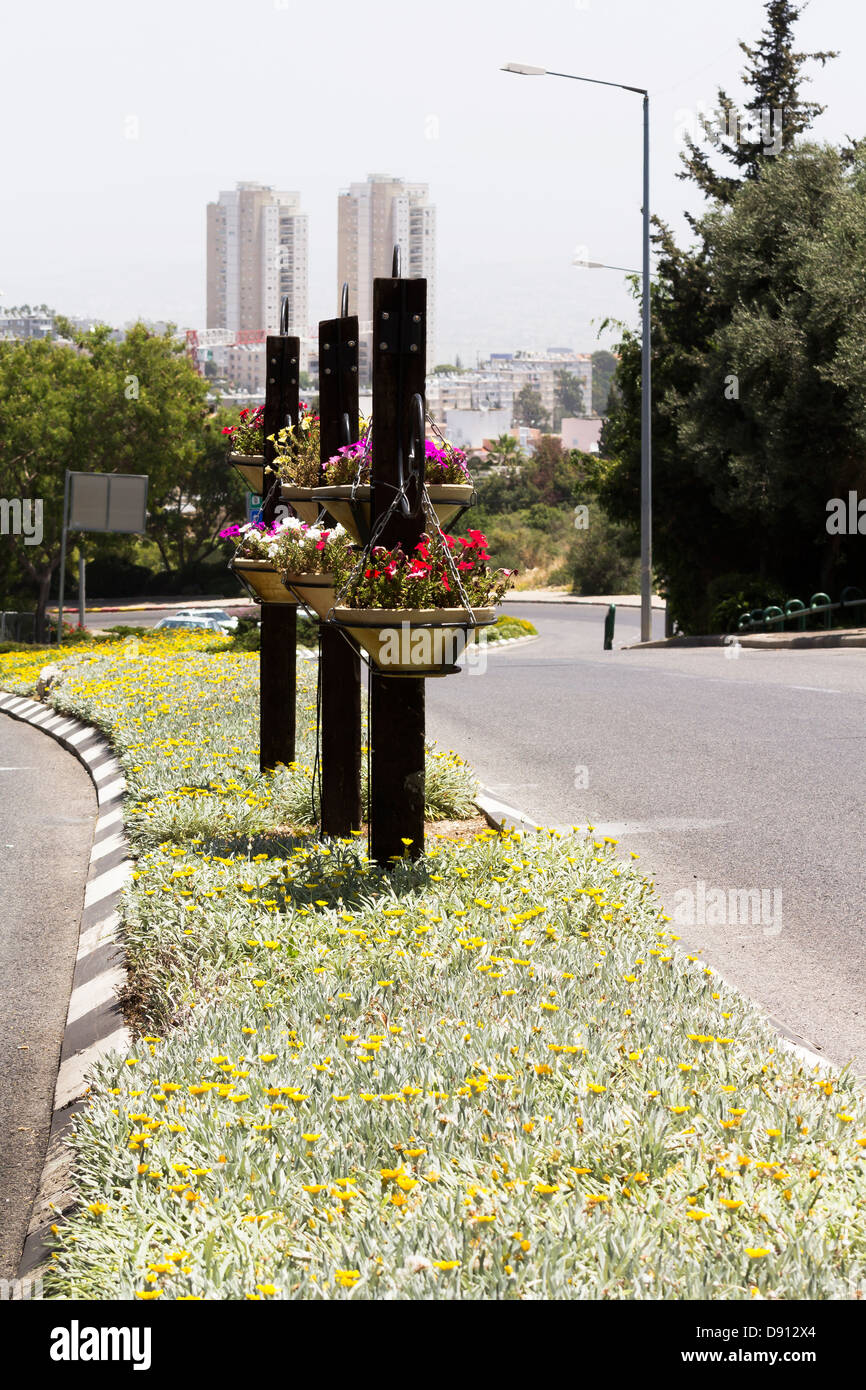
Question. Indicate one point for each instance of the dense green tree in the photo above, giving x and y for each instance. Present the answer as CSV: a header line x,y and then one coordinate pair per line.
x,y
136,406
603,372
772,118
697,537
529,409
567,397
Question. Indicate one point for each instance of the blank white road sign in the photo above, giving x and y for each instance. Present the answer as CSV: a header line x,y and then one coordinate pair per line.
x,y
108,501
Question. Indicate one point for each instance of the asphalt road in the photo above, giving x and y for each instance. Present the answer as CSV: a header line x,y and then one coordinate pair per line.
x,y
744,773
47,813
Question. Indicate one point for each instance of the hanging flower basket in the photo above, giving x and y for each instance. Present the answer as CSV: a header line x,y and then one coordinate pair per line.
x,y
300,499
316,591
260,577
251,468
419,642
350,504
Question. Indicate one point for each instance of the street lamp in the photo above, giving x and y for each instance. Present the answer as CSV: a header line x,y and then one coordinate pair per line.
x,y
526,70
601,265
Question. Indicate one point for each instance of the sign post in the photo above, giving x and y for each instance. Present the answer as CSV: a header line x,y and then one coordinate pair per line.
x,y
99,502
340,661
396,703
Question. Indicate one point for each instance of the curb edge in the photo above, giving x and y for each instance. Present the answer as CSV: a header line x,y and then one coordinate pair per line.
x,y
93,1003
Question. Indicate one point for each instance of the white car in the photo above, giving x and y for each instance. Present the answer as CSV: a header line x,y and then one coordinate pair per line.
x,y
224,620
186,620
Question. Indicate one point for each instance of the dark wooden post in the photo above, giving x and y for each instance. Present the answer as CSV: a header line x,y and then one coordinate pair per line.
x,y
341,664
277,661
396,703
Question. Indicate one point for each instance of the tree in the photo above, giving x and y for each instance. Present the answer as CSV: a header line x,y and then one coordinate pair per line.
x,y
505,452
694,537
776,112
529,409
784,383
137,406
603,372
567,397
46,392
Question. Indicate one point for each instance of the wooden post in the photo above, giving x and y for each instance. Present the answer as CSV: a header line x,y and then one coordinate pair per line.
x,y
277,661
341,663
396,703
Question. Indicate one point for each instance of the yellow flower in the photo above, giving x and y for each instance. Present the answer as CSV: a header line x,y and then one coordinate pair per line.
x,y
730,1202
148,1293
268,1289
348,1278
98,1208
757,1252
446,1264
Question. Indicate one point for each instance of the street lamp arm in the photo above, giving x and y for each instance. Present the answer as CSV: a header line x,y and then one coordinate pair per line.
x,y
526,70
596,81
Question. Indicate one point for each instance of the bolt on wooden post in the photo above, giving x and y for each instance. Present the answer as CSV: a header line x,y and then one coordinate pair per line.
x,y
277,662
396,703
340,661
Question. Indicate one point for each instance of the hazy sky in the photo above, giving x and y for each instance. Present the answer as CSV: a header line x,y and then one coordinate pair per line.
x,y
121,120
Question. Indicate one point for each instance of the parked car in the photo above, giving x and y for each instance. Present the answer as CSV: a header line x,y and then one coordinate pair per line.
x,y
226,621
179,621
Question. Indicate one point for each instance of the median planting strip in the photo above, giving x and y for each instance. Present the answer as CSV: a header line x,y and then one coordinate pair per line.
x,y
489,1074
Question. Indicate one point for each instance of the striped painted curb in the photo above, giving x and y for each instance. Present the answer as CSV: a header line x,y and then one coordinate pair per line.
x,y
499,814
94,1021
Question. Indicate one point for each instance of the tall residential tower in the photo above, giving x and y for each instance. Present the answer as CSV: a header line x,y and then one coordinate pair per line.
x,y
372,218
257,253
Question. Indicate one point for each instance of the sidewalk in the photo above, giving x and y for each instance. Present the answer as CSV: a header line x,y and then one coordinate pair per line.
x,y
563,596
144,605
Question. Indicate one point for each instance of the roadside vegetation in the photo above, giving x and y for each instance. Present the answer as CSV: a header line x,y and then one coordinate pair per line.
x,y
489,1074
542,516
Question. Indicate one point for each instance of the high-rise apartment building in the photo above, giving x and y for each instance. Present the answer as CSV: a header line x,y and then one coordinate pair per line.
x,y
257,254
372,218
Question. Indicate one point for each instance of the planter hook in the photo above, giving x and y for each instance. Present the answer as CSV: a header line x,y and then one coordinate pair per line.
x,y
412,482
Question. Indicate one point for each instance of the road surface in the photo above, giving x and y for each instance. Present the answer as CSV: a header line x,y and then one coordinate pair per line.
x,y
741,774
47,814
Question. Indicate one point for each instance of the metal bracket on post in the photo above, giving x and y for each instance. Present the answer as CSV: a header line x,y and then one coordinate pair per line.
x,y
340,663
278,657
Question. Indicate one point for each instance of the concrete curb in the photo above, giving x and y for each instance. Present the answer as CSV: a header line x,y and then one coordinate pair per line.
x,y
762,641
94,1021
499,814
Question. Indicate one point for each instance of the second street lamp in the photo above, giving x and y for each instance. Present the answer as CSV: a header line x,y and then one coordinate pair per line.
x,y
526,70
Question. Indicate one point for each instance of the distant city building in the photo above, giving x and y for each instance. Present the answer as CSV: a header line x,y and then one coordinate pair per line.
x,y
372,218
24,324
582,433
468,429
257,255
496,384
